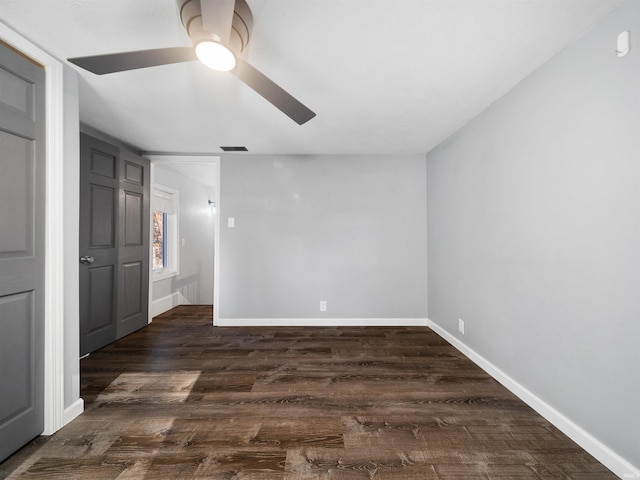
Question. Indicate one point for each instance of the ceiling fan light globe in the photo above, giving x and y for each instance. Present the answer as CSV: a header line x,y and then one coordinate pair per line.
x,y
215,56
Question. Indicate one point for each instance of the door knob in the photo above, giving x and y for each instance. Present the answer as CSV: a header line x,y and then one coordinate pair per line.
x,y
86,259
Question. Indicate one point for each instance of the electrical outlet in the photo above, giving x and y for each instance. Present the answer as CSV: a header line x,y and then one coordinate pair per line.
x,y
323,305
461,326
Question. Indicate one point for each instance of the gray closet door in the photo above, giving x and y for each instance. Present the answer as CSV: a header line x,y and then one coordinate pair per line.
x,y
22,234
99,195
133,252
114,243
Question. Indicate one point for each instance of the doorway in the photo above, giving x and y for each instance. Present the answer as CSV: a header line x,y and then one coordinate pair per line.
x,y
194,181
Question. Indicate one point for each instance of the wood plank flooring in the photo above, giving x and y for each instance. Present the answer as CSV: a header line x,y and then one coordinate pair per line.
x,y
181,399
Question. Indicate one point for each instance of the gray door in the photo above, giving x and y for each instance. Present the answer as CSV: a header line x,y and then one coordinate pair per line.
x,y
22,223
114,243
99,186
133,252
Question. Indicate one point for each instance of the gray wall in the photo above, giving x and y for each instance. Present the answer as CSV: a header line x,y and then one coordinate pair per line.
x,y
350,230
195,227
534,233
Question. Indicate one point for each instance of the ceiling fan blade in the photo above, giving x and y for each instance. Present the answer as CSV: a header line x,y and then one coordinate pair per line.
x,y
118,62
272,92
217,17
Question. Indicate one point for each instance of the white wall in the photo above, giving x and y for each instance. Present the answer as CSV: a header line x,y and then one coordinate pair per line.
x,y
196,228
71,222
534,234
349,230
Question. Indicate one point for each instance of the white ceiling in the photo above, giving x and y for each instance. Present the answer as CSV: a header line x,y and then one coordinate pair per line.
x,y
383,76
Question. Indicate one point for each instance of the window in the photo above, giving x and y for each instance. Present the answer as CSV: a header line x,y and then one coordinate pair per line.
x,y
159,244
165,232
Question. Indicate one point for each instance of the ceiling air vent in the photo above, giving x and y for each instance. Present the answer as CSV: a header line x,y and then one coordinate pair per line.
x,y
234,149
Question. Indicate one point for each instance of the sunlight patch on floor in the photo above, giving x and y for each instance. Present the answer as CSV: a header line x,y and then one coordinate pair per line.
x,y
146,387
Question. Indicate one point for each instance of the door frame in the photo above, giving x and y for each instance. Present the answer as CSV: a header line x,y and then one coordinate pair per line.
x,y
54,411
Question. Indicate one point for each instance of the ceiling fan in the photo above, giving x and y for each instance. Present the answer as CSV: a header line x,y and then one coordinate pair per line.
x,y
219,31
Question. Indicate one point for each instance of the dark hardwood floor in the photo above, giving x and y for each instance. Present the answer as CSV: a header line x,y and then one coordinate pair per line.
x,y
181,399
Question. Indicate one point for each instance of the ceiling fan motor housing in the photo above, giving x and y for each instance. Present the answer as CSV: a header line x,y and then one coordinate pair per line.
x,y
191,17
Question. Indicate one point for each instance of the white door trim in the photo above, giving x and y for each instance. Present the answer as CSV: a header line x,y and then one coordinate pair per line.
x,y
216,249
54,284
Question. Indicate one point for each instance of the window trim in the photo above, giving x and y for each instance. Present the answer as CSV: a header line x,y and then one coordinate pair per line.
x,y
167,200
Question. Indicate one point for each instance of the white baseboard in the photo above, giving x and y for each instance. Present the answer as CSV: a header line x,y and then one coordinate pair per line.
x,y
599,450
321,322
73,411
165,304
